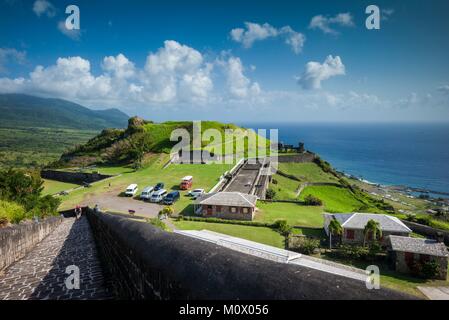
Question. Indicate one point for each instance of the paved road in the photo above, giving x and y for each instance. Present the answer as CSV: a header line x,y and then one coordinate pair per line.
x,y
41,273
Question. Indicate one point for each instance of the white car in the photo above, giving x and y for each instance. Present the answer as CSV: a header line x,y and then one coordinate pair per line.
x,y
131,190
146,193
195,193
157,196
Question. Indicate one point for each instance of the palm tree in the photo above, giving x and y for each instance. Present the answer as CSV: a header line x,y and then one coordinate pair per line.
x,y
335,228
372,228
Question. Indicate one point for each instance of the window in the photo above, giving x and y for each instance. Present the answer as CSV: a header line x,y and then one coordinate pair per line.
x,y
245,210
350,234
218,208
233,209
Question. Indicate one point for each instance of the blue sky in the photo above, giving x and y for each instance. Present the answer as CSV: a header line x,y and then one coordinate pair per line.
x,y
182,59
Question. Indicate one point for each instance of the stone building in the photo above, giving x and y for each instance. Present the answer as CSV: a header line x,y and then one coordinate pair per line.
x,y
226,205
407,254
353,225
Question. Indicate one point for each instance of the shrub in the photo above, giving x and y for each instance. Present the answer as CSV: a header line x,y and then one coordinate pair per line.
x,y
11,212
430,269
167,211
274,181
271,194
282,226
158,223
224,221
311,200
353,252
308,245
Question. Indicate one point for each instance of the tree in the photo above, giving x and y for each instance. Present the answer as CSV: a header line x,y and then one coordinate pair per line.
x,y
335,228
166,212
372,228
271,193
311,200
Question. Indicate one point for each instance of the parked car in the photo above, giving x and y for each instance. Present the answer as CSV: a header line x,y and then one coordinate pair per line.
x,y
171,198
146,193
186,183
159,186
131,190
195,193
158,195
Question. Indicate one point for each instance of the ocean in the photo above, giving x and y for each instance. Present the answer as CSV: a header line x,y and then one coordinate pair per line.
x,y
414,155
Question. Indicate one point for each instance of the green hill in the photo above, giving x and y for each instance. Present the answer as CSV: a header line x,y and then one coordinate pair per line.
x,y
24,111
141,137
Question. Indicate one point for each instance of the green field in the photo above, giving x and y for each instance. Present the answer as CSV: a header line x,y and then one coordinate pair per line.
x,y
258,234
295,214
307,172
31,147
335,199
53,187
286,189
205,176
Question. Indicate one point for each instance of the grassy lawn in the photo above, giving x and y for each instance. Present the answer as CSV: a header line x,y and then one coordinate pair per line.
x,y
257,234
52,187
308,172
295,214
394,280
285,188
204,176
335,199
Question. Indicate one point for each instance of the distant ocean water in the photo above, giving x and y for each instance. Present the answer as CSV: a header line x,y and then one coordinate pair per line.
x,y
415,155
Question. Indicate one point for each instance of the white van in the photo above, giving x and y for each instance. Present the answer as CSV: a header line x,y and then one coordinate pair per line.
x,y
146,193
131,190
157,196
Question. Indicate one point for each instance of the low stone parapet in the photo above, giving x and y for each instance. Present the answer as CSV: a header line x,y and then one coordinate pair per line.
x,y
17,240
143,262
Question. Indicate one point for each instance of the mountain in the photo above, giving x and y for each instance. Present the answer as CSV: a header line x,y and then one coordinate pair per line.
x,y
20,110
141,137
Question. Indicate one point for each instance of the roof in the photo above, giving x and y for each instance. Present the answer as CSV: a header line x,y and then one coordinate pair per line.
x,y
235,199
132,186
187,178
416,245
359,221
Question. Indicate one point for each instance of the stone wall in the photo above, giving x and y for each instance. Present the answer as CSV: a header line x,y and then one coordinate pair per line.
x,y
17,240
224,212
428,231
400,263
359,236
73,177
144,262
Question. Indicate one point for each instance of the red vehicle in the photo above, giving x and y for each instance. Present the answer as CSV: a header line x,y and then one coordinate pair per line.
x,y
186,183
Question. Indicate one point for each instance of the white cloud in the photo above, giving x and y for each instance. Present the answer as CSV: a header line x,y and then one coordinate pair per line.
x,y
175,73
257,32
73,34
10,55
238,85
316,72
119,66
44,7
444,89
324,23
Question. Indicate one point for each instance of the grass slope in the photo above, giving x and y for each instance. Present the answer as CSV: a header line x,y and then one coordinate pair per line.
x,y
335,199
307,172
257,234
295,214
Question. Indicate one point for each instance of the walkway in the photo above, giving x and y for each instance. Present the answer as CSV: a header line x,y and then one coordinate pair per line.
x,y
435,293
41,274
